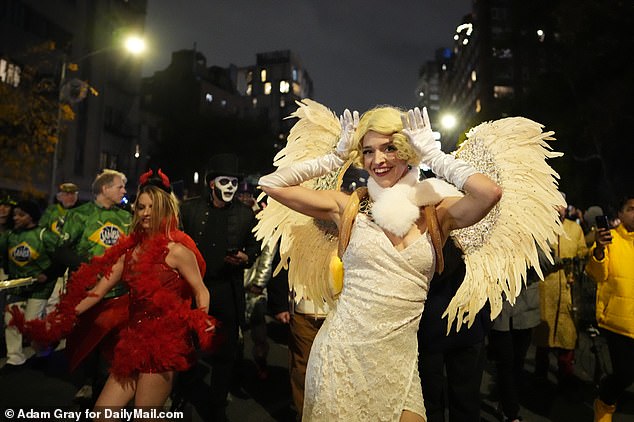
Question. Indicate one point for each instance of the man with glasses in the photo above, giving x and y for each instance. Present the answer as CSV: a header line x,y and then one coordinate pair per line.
x,y
222,227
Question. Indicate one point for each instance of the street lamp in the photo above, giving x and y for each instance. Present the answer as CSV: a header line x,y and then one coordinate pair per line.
x,y
448,121
133,44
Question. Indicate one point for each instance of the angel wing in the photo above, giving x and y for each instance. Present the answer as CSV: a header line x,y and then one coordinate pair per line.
x,y
306,244
499,248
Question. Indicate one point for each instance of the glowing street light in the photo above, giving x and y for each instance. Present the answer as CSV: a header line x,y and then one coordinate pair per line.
x,y
132,44
448,121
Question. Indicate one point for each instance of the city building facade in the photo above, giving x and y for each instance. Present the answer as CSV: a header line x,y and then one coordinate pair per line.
x,y
91,73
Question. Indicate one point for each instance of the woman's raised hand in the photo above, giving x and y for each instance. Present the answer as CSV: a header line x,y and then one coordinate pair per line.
x,y
417,128
349,122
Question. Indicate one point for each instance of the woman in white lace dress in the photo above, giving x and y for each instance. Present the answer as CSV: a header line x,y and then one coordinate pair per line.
x,y
363,363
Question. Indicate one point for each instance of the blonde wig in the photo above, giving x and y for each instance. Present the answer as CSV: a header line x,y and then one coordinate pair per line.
x,y
385,120
165,211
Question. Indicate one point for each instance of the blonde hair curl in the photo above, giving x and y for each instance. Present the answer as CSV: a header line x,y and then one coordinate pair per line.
x,y
385,120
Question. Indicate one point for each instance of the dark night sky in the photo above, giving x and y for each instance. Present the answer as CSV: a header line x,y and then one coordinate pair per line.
x,y
359,53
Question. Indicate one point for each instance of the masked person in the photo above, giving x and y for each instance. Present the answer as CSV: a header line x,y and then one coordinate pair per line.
x,y
221,226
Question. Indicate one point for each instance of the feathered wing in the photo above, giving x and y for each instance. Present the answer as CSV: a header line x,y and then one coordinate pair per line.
x,y
499,248
306,245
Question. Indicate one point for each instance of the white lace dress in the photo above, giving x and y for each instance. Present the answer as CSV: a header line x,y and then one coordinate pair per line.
x,y
363,362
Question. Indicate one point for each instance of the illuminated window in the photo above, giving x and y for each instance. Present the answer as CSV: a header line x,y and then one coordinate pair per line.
x,y
267,88
294,74
263,75
209,97
284,87
478,106
474,76
9,73
296,89
250,76
282,102
500,91
254,102
249,89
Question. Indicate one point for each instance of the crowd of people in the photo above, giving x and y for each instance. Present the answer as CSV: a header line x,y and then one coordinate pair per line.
x,y
149,293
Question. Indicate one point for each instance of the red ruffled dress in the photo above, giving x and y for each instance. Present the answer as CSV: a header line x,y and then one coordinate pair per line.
x,y
159,334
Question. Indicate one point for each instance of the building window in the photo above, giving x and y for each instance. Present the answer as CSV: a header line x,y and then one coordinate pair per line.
x,y
284,87
249,89
209,97
282,102
267,88
10,73
263,75
250,76
297,90
254,102
295,74
500,91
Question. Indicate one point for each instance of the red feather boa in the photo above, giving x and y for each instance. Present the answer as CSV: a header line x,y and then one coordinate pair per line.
x,y
59,323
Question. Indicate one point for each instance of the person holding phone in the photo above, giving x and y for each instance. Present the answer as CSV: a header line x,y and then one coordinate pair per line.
x,y
221,225
611,266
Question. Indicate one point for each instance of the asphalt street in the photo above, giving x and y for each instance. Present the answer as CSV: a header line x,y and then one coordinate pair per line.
x,y
45,384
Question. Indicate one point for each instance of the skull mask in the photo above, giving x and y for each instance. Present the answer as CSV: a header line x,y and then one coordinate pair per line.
x,y
225,187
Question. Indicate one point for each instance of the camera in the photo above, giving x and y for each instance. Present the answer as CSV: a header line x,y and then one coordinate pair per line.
x,y
602,222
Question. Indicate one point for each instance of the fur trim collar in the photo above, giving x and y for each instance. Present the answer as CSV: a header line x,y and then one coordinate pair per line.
x,y
397,208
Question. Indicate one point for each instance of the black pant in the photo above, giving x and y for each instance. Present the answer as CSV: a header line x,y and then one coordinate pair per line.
x,y
621,351
464,367
227,311
509,350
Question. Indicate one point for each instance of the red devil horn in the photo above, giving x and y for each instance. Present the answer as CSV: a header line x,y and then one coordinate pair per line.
x,y
145,176
164,178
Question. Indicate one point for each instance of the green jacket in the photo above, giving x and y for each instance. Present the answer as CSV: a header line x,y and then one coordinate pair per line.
x,y
90,229
53,218
24,250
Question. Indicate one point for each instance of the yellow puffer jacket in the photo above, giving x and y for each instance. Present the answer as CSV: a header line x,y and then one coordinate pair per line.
x,y
614,276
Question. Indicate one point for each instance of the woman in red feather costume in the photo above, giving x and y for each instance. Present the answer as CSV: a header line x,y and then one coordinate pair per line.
x,y
163,270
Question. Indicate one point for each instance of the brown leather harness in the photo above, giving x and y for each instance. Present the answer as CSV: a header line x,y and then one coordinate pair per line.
x,y
352,209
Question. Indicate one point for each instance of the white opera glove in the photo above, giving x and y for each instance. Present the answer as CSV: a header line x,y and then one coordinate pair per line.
x,y
300,172
417,128
349,122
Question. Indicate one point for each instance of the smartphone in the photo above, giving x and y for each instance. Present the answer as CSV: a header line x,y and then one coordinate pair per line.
x,y
602,222
232,251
